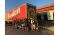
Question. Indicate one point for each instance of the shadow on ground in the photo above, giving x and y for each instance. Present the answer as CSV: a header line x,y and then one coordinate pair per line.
x,y
46,23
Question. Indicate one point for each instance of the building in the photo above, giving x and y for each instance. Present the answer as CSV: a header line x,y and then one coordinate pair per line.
x,y
45,12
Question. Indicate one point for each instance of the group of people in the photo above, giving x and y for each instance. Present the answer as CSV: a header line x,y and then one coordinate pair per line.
x,y
26,25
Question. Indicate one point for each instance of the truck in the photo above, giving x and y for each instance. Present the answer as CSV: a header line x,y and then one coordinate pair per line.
x,y
22,14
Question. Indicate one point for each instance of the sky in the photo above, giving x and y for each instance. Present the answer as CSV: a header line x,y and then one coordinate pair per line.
x,y
11,4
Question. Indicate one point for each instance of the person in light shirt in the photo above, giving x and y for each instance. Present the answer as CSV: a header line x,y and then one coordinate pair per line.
x,y
33,26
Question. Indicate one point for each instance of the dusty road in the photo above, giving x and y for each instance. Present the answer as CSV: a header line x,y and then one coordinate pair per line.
x,y
42,31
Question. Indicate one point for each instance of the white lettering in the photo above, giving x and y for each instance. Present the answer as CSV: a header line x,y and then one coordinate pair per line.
x,y
15,12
